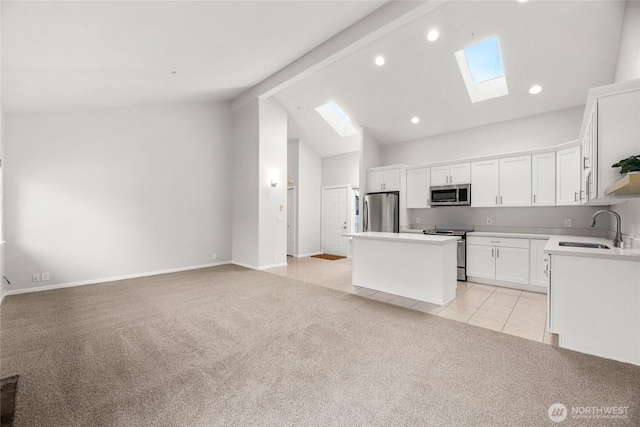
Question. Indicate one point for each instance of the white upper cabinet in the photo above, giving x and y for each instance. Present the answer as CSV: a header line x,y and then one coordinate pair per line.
x,y
458,173
568,175
375,181
383,180
440,175
485,183
418,183
515,181
543,179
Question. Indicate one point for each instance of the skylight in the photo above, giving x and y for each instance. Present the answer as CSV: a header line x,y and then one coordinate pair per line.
x,y
482,70
337,119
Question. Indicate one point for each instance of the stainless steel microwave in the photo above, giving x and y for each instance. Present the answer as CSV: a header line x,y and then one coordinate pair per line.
x,y
451,195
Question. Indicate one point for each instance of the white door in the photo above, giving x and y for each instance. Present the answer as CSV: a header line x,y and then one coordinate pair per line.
x,y
392,180
440,175
460,173
418,183
568,176
543,179
335,221
515,181
484,183
375,181
481,261
291,221
512,265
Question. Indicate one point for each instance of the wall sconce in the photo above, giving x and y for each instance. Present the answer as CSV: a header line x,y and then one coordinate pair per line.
x,y
274,182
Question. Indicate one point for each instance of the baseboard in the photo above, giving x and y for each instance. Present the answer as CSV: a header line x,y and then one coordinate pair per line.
x,y
255,267
110,279
519,286
1,298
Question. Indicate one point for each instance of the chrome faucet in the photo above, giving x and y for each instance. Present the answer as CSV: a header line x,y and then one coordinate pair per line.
x,y
618,239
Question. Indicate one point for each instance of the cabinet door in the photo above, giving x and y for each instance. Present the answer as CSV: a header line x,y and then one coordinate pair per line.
x,y
460,173
440,175
375,181
543,179
538,262
418,188
481,261
484,183
568,176
515,181
391,180
512,265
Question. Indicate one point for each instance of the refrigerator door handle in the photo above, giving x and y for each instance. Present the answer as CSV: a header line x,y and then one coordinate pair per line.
x,y
365,216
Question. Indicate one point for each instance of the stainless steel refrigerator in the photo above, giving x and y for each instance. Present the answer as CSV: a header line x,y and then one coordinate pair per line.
x,y
382,212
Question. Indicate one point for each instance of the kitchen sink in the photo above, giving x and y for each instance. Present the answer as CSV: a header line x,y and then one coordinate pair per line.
x,y
584,245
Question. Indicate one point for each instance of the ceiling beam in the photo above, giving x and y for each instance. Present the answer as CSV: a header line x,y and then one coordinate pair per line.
x,y
378,23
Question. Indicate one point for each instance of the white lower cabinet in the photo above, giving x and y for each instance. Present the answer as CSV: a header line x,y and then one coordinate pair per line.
x,y
500,261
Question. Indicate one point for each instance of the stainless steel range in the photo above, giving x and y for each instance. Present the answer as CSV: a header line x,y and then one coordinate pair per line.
x,y
462,245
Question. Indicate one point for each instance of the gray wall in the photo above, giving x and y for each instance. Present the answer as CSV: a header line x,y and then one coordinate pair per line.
x,y
102,194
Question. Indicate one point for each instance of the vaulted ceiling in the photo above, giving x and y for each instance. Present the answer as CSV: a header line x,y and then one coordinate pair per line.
x,y
567,47
59,55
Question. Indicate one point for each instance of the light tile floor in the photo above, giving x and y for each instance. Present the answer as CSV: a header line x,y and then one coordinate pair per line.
x,y
510,311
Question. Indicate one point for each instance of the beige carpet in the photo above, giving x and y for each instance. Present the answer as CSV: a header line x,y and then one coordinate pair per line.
x,y
230,346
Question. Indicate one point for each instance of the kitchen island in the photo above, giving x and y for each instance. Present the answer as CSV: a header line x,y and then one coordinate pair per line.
x,y
415,266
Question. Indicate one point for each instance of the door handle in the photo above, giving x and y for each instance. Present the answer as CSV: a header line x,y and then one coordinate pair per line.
x,y
496,200
492,252
534,198
365,221
497,253
500,199
575,197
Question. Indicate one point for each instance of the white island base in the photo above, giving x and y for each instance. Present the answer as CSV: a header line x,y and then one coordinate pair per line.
x,y
410,265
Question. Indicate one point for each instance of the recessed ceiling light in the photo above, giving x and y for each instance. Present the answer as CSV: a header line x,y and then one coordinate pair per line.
x,y
535,89
415,120
379,60
433,35
522,1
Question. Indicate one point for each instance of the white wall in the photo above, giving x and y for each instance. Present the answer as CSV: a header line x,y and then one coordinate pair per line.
x,y
245,200
341,169
309,201
272,219
628,68
370,156
542,130
100,194
304,168
628,61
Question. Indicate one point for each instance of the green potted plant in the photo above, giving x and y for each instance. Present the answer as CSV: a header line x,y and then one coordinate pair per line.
x,y
630,164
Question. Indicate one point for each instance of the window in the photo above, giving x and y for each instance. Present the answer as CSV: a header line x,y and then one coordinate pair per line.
x,y
482,70
337,119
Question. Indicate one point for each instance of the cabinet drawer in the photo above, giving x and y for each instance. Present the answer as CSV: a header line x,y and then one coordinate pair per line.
x,y
506,242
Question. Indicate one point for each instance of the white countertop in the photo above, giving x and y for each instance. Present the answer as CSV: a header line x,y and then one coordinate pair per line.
x,y
554,248
516,235
404,237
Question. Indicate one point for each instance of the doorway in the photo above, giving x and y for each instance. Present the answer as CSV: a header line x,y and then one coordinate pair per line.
x,y
291,221
335,216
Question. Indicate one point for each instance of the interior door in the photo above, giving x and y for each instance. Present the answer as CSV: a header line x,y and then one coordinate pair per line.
x,y
335,221
291,221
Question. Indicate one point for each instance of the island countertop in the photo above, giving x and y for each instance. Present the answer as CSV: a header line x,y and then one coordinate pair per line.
x,y
405,237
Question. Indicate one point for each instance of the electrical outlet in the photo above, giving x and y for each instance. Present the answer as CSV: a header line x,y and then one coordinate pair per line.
x,y
215,256
35,278
45,276
489,221
567,223
418,220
